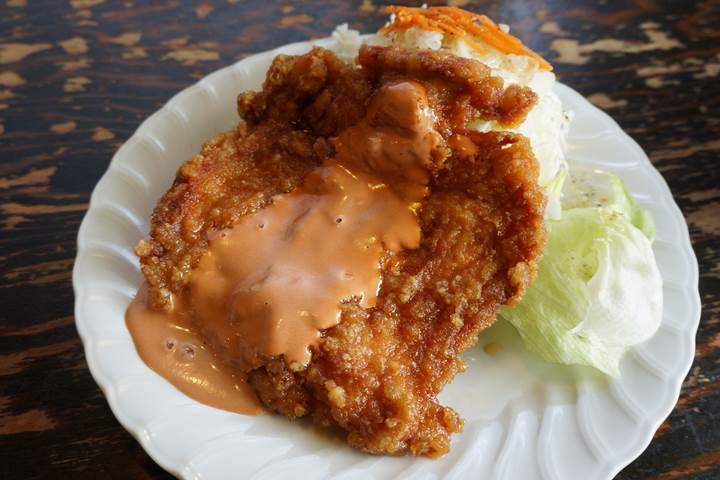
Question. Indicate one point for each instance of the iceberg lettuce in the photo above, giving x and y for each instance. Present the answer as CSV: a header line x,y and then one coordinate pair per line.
x,y
590,187
598,289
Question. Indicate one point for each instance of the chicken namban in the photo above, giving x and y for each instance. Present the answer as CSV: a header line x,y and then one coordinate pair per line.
x,y
446,228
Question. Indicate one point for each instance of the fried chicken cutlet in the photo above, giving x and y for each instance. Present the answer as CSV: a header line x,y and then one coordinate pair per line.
x,y
377,373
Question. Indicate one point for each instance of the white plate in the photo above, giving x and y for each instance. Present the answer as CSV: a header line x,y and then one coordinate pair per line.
x,y
524,419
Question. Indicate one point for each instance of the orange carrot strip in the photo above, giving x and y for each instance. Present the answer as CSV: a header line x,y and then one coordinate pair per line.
x,y
457,22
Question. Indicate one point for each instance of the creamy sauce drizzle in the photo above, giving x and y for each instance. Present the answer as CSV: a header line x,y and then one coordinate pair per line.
x,y
272,282
168,343
395,140
268,285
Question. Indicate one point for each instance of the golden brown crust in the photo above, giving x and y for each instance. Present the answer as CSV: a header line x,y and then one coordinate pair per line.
x,y
238,172
476,93
235,173
378,372
316,91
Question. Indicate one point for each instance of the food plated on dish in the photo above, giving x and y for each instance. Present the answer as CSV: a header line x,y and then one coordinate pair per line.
x,y
380,203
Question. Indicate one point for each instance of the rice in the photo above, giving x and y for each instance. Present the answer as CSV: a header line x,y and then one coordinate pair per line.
x,y
546,125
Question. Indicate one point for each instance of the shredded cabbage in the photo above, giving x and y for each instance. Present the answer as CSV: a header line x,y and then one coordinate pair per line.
x,y
598,289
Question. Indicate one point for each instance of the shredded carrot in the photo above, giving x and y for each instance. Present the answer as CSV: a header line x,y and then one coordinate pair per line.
x,y
462,24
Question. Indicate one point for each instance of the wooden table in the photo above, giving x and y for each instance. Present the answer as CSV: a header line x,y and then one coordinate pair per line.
x,y
77,77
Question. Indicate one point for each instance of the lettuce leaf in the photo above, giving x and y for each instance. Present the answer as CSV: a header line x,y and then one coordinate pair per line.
x,y
598,289
554,194
590,187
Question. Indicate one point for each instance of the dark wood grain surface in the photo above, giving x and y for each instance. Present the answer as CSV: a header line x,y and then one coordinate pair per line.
x,y
77,77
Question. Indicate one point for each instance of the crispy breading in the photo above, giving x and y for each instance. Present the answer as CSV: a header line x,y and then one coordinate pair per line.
x,y
378,372
237,172
471,89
